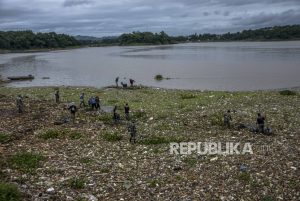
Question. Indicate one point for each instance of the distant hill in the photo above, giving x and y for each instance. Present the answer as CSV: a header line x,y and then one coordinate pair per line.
x,y
89,38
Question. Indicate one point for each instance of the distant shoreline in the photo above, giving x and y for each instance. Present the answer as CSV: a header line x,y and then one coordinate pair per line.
x,y
4,51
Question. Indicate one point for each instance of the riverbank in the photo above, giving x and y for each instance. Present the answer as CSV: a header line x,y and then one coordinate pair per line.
x,y
3,81
94,159
4,51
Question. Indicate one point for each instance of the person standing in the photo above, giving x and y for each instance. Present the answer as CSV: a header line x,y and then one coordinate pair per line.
x,y
81,98
260,121
116,116
97,100
227,119
132,131
131,81
117,81
126,108
92,102
56,96
20,104
73,109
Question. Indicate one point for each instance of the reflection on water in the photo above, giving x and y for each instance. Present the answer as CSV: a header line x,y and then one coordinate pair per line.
x,y
214,66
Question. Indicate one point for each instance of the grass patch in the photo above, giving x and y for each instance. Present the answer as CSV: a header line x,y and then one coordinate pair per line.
x,y
136,100
153,183
75,135
106,118
159,140
146,91
162,116
244,176
158,77
76,183
112,137
163,127
9,192
158,151
3,164
54,134
112,101
294,184
190,161
187,96
216,119
85,160
50,134
287,93
140,114
4,138
255,184
26,162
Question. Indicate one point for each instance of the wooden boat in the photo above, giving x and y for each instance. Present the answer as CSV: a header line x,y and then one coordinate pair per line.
x,y
28,77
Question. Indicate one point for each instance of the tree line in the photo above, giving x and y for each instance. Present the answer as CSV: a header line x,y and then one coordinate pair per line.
x,y
16,40
28,40
138,38
290,32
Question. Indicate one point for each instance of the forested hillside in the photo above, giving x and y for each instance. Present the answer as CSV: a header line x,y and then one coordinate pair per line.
x,y
15,40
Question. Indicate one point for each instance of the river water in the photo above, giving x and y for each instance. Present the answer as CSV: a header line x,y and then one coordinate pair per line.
x,y
212,66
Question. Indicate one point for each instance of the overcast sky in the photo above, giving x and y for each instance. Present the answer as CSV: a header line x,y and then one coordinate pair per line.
x,y
176,17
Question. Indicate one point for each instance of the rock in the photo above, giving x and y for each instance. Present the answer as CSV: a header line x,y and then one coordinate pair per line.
x,y
214,159
90,197
127,184
50,190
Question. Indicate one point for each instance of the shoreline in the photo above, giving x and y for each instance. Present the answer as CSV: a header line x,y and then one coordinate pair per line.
x,y
5,51
136,87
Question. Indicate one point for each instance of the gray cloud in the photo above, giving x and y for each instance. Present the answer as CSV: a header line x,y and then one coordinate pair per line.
x,y
100,18
226,13
70,3
269,19
9,13
206,13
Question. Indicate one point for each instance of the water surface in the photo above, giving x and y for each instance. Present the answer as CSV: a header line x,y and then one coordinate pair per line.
x,y
212,66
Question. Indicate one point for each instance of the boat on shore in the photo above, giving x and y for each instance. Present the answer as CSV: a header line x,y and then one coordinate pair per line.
x,y
28,77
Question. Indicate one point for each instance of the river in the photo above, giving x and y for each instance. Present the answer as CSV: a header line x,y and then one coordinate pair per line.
x,y
213,66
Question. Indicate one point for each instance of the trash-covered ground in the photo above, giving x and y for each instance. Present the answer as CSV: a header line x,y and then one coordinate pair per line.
x,y
49,158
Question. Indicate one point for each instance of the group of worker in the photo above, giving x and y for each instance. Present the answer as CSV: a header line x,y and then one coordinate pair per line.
x,y
260,122
94,103
124,84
